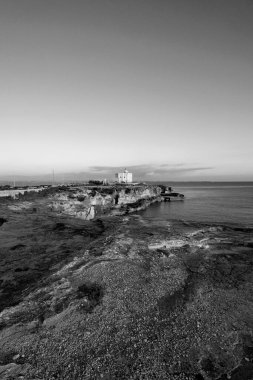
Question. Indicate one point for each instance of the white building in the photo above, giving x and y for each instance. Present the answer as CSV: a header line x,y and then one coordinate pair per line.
x,y
124,177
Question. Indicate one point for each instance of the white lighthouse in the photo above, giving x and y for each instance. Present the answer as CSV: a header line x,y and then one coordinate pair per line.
x,y
124,177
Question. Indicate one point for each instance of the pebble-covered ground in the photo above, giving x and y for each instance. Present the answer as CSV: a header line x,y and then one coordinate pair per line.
x,y
123,298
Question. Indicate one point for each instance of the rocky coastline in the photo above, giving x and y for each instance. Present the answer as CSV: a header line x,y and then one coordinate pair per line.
x,y
89,202
92,290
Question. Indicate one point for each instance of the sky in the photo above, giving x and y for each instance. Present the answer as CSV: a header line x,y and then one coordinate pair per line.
x,y
163,87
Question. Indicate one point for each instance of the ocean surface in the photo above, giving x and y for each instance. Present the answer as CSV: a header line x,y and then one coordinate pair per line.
x,y
215,204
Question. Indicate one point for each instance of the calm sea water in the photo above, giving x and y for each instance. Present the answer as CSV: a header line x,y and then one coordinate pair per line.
x,y
208,204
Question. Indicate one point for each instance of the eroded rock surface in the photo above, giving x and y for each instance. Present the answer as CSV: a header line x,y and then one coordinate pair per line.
x,y
121,297
87,203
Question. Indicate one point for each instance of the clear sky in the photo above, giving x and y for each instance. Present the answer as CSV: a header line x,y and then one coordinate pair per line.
x,y
163,86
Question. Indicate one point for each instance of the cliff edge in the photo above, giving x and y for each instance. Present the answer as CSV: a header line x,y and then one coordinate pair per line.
x,y
88,202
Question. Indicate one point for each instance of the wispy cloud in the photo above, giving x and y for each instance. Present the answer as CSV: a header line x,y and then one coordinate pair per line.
x,y
147,172
150,171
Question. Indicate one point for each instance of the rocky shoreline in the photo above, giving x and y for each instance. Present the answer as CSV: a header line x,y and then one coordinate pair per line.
x,y
118,296
88,202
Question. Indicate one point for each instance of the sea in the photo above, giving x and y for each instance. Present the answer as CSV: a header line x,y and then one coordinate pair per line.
x,y
217,218
209,204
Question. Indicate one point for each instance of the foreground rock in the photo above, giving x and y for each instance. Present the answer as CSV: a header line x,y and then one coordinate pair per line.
x,y
121,297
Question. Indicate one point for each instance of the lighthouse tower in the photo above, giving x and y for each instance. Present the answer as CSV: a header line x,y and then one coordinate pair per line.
x,y
124,177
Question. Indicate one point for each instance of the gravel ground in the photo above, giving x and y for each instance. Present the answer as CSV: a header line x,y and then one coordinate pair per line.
x,y
138,300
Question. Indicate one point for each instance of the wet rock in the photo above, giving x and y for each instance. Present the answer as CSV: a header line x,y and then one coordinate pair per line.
x,y
199,377
2,221
247,341
17,246
19,359
10,371
249,244
92,293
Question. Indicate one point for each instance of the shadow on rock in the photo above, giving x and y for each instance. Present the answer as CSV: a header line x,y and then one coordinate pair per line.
x,y
2,221
92,294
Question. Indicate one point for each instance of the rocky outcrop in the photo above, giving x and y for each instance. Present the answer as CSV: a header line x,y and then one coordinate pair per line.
x,y
89,202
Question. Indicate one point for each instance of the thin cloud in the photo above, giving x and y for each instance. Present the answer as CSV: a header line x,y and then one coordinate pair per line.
x,y
149,171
